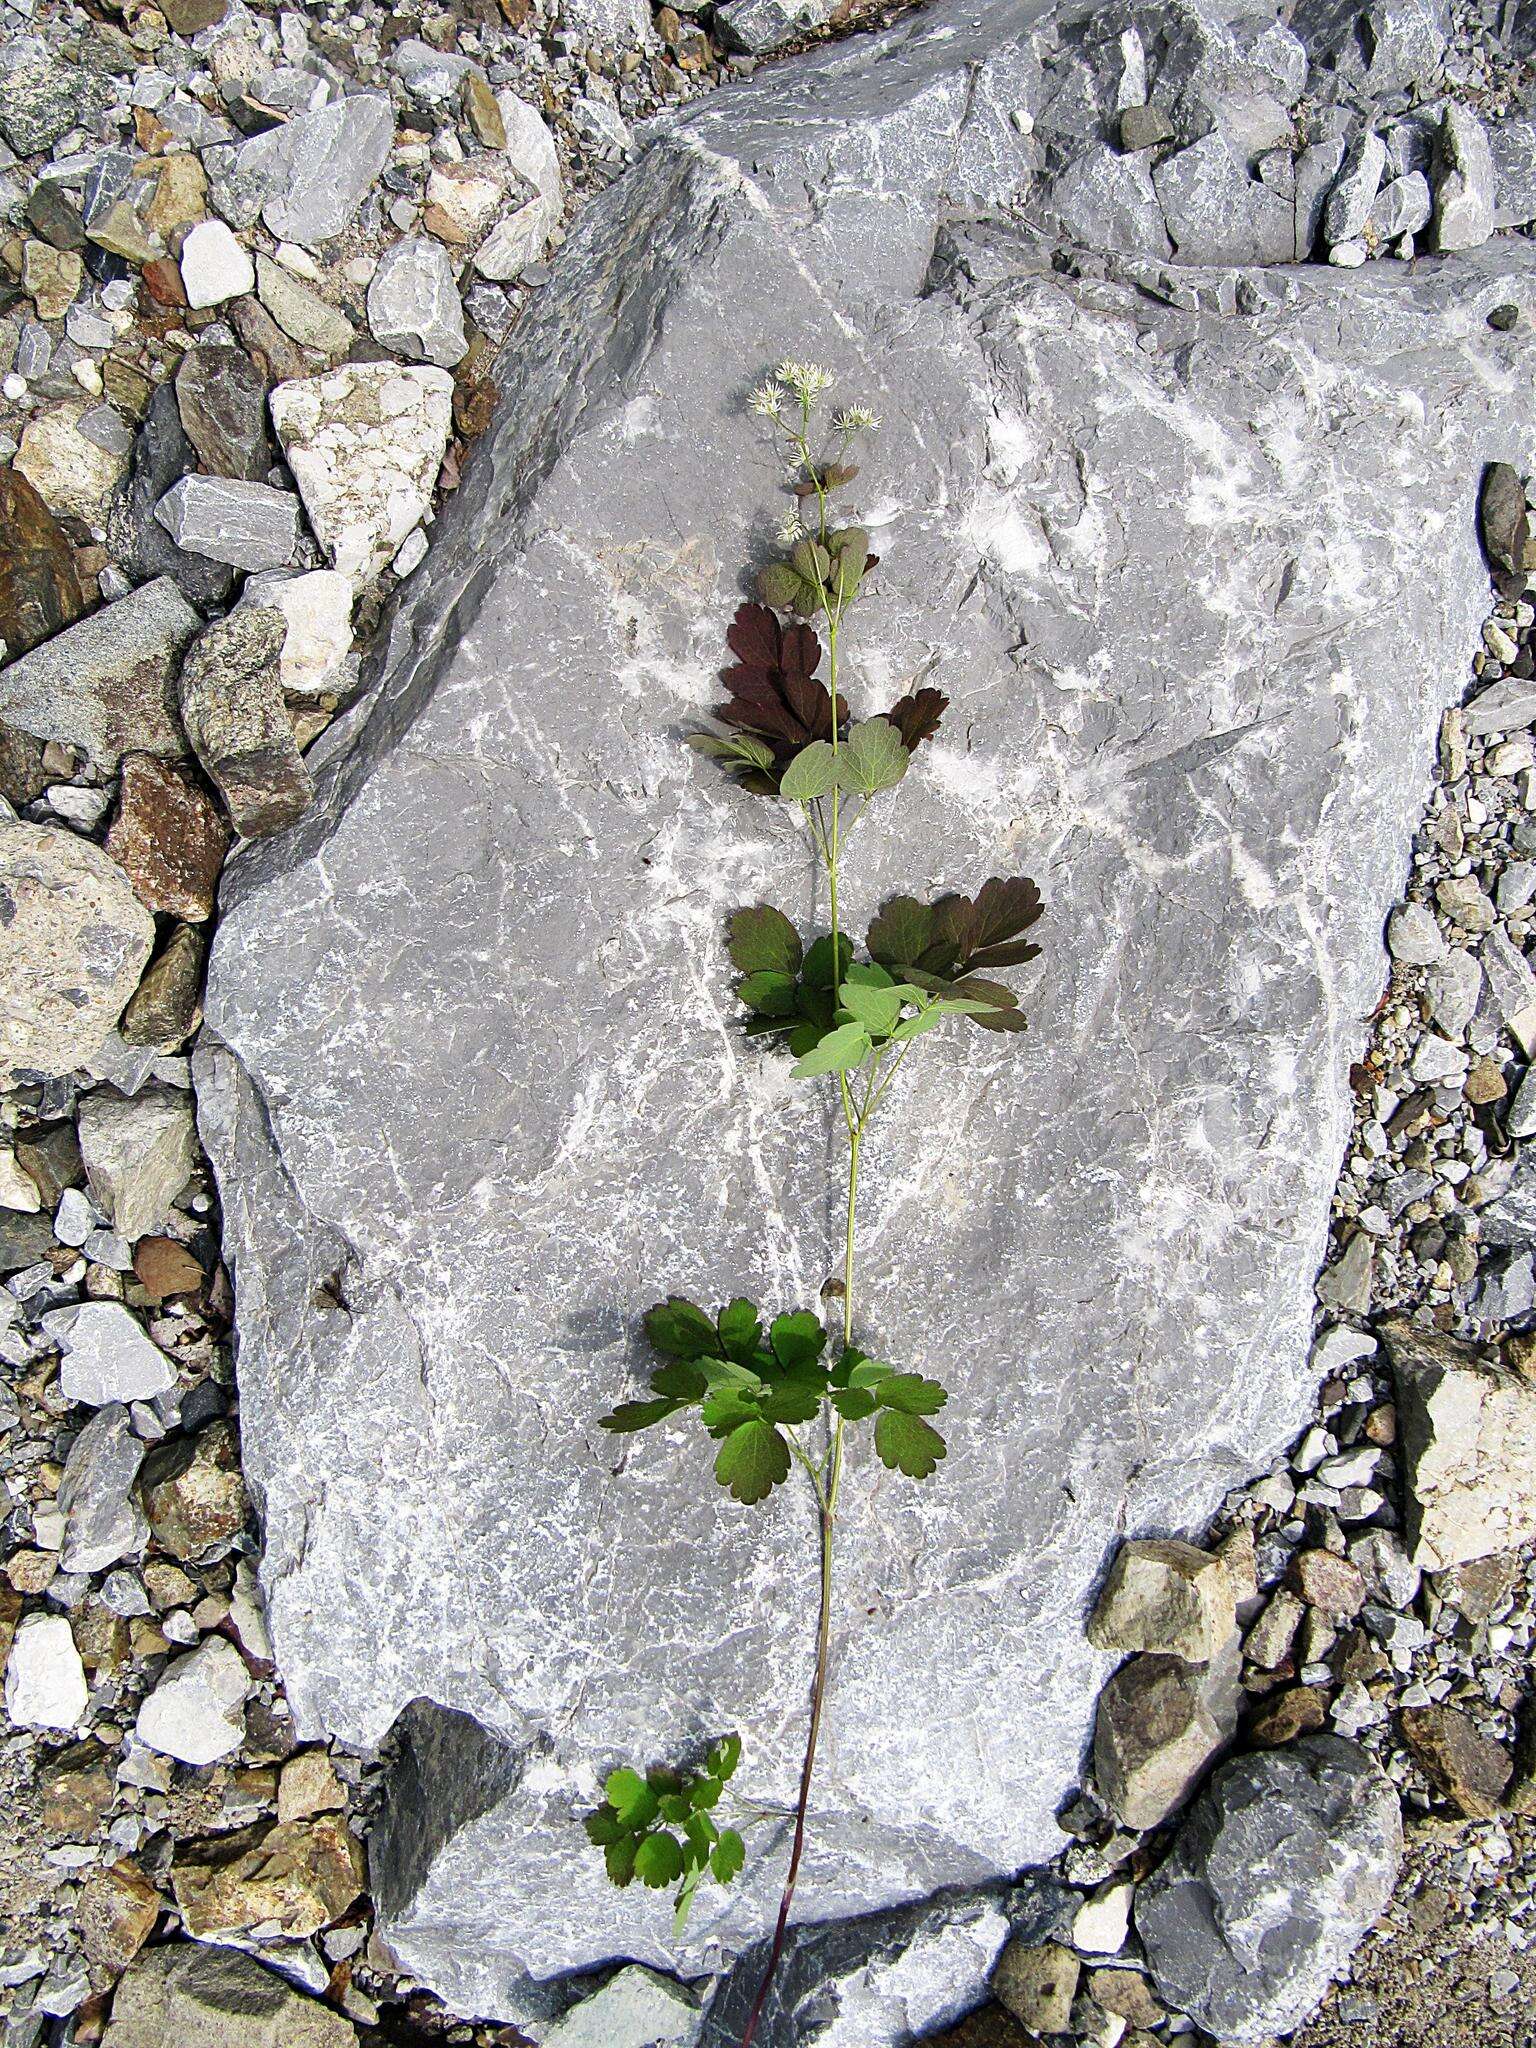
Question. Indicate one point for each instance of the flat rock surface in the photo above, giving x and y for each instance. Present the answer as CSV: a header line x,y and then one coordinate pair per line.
x,y
473,1065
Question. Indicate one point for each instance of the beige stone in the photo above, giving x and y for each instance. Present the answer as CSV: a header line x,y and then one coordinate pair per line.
x,y
1166,1597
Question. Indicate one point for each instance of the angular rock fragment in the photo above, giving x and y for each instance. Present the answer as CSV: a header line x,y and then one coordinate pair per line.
x,y
310,176
295,1876
108,683
1403,206
302,314
1469,1447
1165,1596
168,839
249,526
197,1711
102,1522
1280,1867
365,443
1160,1723
162,454
40,592
73,474
107,1357
116,1915
1504,518
317,644
217,1998
214,266
1217,213
42,97
165,1008
232,707
193,1491
222,399
1037,1983
758,26
1470,1768
1349,204
139,1151
73,941
1464,182
413,303
634,2009
44,1678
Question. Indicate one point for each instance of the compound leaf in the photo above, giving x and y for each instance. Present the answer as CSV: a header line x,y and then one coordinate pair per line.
x,y
762,940
728,1856
907,1444
740,1327
911,1393
814,772
797,1339
724,1757
752,1461
632,1415
852,1403
842,1049
619,1860
770,992
877,1009
872,758
680,1381
916,716
827,961
901,931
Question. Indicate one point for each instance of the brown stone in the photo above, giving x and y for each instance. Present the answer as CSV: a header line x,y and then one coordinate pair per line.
x,y
40,592
32,1571
116,1915
166,1007
1036,1982
181,195
193,1493
1330,1583
482,112
1285,1715
77,1790
989,2026
1476,1588
1470,1768
168,838
1154,1734
300,1875
309,1785
49,1154
162,280
164,1267
191,17
104,1639
1127,1993
23,778
10,1614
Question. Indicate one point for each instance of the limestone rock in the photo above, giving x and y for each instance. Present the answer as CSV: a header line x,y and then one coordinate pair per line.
x,y
365,443
107,1357
214,266
193,1492
162,454
249,526
102,1522
1160,1723
43,98
1464,190
71,472
73,939
413,303
758,26
139,1151
300,313
1165,1596
317,644
310,175
1280,1867
1469,1447
1121,525
44,1678
107,684
635,2009
232,707
296,1876
216,1998
197,1711
168,839
40,592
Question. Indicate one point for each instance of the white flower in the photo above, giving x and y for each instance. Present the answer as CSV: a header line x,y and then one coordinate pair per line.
x,y
856,419
806,380
767,402
790,529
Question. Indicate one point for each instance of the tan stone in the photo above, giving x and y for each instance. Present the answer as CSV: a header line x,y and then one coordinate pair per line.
x,y
309,1785
181,196
1166,1597
300,1875
51,278
1037,1983
116,1915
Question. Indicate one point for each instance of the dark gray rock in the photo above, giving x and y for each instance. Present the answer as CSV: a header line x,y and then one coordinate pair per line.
x,y
162,455
232,707
221,397
1150,557
108,682
1281,1866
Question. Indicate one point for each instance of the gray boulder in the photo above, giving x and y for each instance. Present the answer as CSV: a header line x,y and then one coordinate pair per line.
x,y
1283,1863
1150,557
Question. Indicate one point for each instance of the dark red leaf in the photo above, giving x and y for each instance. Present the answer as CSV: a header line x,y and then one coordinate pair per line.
x,y
773,687
916,716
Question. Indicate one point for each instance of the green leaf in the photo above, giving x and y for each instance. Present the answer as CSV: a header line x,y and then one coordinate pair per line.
x,y
907,1444
604,1827
752,1461
901,931
680,1381
676,1808
797,1339
680,1329
877,1009
632,1799
872,758
724,1757
867,974
706,1791
740,1327
728,1856
914,1027
619,1859
701,1832
632,1415
728,1409
843,1049
729,1372
762,940
825,966
911,1393
812,773
790,1403
659,1860
852,1403
770,992
805,1037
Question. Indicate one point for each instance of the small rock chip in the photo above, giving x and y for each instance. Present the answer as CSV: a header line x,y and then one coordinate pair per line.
x,y
1413,936
214,266
116,1914
1165,1596
44,1678
1296,1710
139,1151
168,839
73,941
1037,1983
1331,1584
1504,517
302,314
166,1007
1102,1922
1469,1767
74,475
102,1522
309,1785
246,525
413,303
165,1268
222,399
232,707
193,1492
197,1711
107,1357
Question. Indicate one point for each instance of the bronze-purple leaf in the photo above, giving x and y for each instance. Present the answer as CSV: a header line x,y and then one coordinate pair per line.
x,y
916,716
773,687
